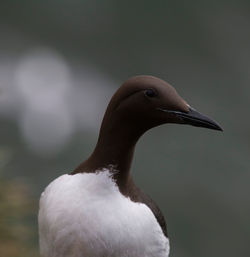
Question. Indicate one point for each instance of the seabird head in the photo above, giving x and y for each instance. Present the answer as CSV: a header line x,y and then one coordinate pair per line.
x,y
141,103
147,101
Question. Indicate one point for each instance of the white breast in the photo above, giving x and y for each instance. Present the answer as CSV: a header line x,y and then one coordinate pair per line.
x,y
85,215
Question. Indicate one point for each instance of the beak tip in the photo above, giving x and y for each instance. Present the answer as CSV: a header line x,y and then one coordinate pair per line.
x,y
214,125
221,129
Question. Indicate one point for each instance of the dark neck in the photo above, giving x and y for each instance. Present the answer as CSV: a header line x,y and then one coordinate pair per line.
x,y
115,147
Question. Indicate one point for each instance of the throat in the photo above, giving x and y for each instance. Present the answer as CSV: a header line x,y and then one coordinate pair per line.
x,y
115,154
115,148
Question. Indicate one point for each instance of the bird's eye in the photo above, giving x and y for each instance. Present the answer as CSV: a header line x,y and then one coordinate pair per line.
x,y
150,92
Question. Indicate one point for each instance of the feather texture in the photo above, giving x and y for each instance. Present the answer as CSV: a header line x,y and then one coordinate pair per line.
x,y
85,215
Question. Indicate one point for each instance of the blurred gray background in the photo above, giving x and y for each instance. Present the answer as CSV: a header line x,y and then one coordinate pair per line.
x,y
60,62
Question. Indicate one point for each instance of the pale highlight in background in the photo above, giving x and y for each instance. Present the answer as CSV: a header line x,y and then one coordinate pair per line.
x,y
51,100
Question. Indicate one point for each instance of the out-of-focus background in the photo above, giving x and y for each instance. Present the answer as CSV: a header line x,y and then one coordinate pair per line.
x,y
60,61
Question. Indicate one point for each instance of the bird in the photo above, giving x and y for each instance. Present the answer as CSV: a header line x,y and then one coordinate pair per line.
x,y
97,210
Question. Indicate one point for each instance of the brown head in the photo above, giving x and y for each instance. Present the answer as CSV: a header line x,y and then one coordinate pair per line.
x,y
143,102
140,104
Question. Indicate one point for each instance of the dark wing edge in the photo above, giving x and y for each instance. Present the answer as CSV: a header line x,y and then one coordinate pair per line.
x,y
137,195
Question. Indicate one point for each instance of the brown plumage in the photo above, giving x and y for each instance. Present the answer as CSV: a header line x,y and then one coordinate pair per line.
x,y
141,103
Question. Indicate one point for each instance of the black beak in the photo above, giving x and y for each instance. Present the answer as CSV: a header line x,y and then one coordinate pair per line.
x,y
197,119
